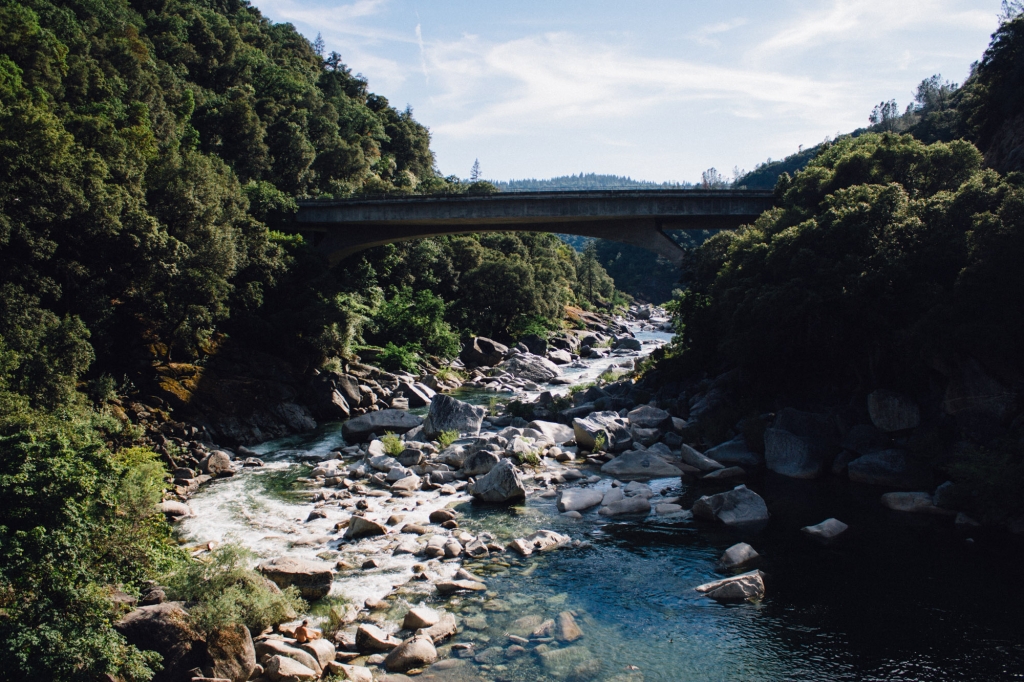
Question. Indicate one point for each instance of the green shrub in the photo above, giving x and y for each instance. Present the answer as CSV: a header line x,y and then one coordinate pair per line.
x,y
221,590
411,319
449,375
446,438
393,445
600,441
579,388
400,358
530,457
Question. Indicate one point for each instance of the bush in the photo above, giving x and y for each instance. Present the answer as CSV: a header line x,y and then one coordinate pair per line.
x,y
400,358
446,438
414,319
393,445
530,458
221,590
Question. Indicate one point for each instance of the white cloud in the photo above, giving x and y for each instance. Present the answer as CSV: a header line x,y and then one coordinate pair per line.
x,y
703,35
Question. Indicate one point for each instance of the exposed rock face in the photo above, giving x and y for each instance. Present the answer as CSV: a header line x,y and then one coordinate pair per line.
x,y
553,431
230,653
647,417
825,532
480,463
737,507
358,430
614,428
891,468
735,453
531,368
313,578
448,414
415,652
891,411
502,484
736,556
578,499
164,628
418,394
743,587
481,351
639,465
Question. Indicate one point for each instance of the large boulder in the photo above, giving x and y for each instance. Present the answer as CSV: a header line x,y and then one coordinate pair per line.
x,y
647,417
230,653
979,404
559,356
892,468
614,428
448,414
419,395
370,638
277,647
743,587
738,555
313,578
362,527
626,506
800,444
735,453
217,463
578,499
415,652
629,343
284,669
640,465
480,463
553,431
531,368
164,628
739,507
890,411
358,430
501,484
481,351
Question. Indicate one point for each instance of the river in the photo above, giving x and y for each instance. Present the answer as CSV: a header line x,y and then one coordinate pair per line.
x,y
902,598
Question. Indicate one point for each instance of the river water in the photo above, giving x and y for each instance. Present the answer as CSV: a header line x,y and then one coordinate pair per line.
x,y
902,598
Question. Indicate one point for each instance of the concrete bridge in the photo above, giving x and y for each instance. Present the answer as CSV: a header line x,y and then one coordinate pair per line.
x,y
638,217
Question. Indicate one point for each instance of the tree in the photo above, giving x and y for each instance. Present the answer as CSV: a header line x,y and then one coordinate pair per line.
x,y
474,172
588,269
319,45
712,179
885,115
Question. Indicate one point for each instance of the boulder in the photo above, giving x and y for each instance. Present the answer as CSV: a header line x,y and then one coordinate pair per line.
x,y
320,649
281,668
547,540
481,351
647,417
743,587
420,617
350,673
501,484
614,428
735,453
891,411
535,343
480,463
626,506
790,455
415,652
277,647
724,474
174,510
362,527
736,556
408,483
313,578
914,503
230,653
448,414
740,507
559,356
566,629
164,628
639,465
980,405
444,628
578,499
418,395
380,422
531,368
825,532
891,468
453,586
217,463
370,638
697,460
553,431
629,343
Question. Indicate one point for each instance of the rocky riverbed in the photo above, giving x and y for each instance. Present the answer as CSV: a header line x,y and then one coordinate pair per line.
x,y
604,548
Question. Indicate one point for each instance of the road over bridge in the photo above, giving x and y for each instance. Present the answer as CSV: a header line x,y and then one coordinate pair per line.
x,y
638,217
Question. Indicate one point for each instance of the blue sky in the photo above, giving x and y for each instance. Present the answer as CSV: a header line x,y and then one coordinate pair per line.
x,y
656,90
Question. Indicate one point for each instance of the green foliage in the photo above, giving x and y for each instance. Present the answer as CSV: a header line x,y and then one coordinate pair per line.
x,y
580,387
446,438
393,445
414,318
600,441
400,358
449,375
530,457
221,590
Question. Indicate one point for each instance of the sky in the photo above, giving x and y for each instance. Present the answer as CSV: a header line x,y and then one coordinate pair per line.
x,y
653,89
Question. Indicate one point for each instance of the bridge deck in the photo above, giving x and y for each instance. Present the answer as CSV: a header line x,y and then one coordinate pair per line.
x,y
633,216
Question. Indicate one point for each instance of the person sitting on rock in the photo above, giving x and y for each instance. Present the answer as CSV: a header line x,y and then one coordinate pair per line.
x,y
304,633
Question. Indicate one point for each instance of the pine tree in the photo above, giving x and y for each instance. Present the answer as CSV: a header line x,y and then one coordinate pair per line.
x,y
474,173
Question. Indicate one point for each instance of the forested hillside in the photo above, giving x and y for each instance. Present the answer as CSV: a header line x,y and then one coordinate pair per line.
x,y
584,181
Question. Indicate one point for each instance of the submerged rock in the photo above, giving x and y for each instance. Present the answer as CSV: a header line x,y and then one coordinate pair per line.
x,y
502,484
743,587
737,507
